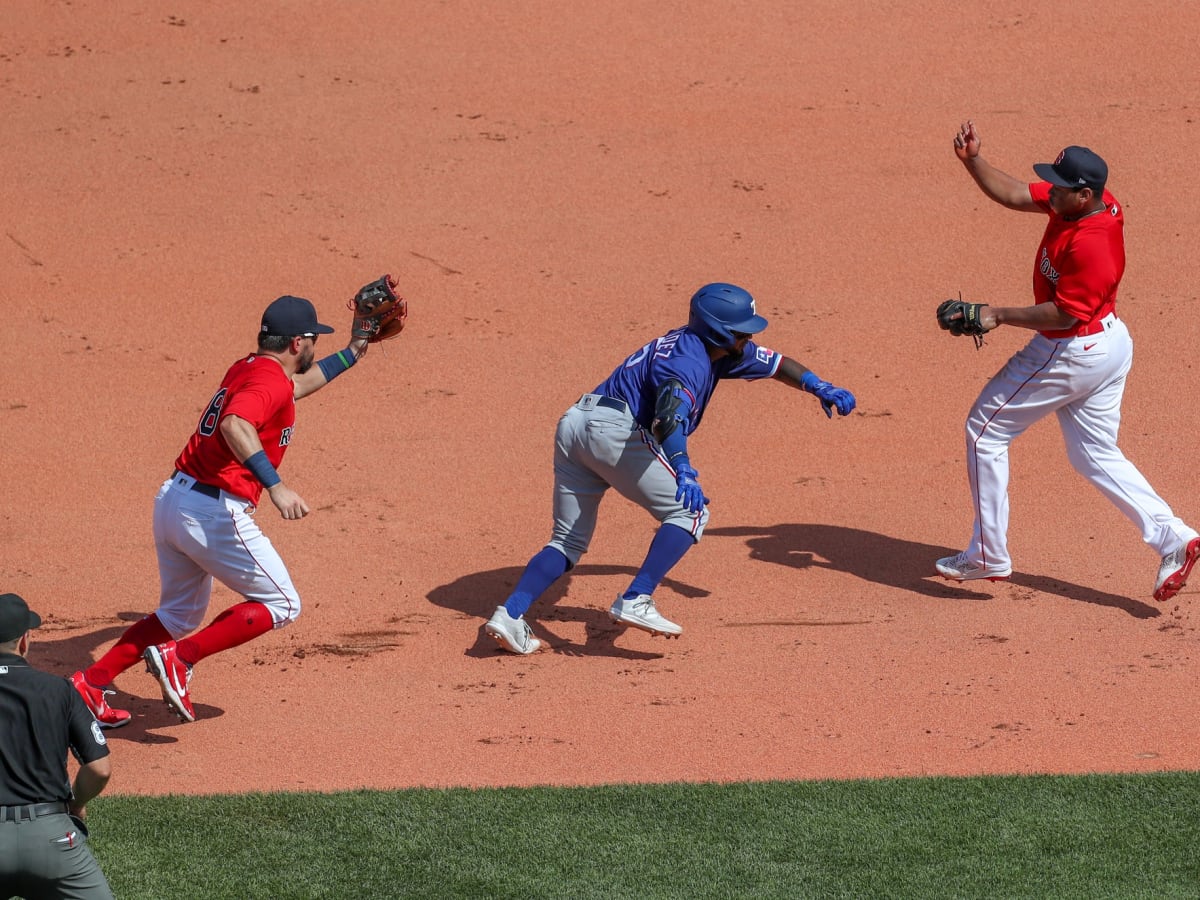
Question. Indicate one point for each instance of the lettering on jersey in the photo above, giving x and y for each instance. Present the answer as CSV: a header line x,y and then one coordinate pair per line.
x,y
637,357
1047,270
285,436
665,344
212,414
662,347
764,355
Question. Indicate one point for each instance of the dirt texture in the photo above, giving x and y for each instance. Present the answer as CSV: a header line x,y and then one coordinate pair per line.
x,y
550,182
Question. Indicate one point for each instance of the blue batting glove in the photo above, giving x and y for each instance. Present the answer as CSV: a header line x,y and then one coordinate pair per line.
x,y
835,397
689,492
831,397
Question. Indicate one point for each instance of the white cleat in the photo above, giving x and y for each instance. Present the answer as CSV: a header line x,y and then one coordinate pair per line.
x,y
512,634
641,613
959,568
1174,570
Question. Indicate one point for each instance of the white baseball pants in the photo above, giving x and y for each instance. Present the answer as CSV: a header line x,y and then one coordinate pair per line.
x,y
198,538
1082,381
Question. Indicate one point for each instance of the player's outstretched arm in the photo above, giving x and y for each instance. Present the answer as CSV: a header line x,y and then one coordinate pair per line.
x,y
1040,317
795,375
999,186
329,368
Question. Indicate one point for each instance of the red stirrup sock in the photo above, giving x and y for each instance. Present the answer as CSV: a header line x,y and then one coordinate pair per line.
x,y
127,651
238,624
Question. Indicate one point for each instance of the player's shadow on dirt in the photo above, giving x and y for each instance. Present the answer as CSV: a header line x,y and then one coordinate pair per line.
x,y
62,647
480,593
897,563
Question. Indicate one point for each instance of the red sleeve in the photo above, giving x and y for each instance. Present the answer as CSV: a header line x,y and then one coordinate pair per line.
x,y
259,399
1040,192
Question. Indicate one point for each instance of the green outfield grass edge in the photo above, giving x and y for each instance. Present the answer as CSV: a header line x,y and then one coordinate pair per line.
x,y
1046,836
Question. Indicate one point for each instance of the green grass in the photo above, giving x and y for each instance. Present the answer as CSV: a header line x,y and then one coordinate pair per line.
x,y
1087,837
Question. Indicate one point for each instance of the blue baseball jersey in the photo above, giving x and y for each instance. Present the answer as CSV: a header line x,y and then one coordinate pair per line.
x,y
682,354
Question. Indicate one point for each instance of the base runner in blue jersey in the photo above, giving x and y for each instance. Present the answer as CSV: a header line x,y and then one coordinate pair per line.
x,y
630,434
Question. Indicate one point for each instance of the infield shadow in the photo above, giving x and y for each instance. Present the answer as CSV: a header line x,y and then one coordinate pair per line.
x,y
61,648
479,593
897,563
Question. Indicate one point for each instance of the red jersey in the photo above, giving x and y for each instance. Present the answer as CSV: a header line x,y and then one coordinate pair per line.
x,y
1079,264
255,389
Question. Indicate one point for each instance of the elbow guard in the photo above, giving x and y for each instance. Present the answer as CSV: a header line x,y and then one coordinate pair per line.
x,y
671,408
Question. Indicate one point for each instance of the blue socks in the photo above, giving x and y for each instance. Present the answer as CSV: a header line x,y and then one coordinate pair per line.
x,y
546,567
667,548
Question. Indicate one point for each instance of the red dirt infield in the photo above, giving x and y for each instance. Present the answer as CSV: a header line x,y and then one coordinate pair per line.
x,y
549,183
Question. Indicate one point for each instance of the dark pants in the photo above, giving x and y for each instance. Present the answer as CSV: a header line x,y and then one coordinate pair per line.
x,y
48,857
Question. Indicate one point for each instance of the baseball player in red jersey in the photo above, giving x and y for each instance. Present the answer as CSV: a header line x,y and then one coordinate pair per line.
x,y
1075,366
203,515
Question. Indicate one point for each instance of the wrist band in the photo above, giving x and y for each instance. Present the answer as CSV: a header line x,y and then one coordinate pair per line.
x,y
260,467
335,364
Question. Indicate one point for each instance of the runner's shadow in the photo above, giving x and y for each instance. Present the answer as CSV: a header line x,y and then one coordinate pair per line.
x,y
61,648
479,593
897,563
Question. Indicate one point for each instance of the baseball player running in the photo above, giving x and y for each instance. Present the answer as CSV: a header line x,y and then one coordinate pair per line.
x,y
1075,365
203,513
631,433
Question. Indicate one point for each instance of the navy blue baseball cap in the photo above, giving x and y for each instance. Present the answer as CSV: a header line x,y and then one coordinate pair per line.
x,y
289,316
16,618
1076,167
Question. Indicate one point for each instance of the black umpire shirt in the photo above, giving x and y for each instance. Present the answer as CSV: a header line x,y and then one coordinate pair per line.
x,y
41,715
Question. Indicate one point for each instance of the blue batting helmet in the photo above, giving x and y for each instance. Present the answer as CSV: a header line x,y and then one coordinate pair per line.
x,y
719,309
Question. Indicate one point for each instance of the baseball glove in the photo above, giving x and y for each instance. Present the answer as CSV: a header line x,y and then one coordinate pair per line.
x,y
379,314
959,317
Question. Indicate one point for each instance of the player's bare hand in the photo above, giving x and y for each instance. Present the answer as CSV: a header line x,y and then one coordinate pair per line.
x,y
290,504
966,142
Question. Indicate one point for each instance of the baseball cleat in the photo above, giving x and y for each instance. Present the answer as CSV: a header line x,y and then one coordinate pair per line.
x,y
93,697
959,568
1174,570
174,676
640,612
512,634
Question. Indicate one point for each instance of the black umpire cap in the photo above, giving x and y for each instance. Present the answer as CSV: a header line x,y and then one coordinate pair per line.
x,y
16,617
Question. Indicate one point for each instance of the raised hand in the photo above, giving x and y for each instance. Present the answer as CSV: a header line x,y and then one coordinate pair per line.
x,y
966,142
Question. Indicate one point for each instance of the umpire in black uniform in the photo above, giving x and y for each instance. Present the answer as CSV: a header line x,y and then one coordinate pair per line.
x,y
43,841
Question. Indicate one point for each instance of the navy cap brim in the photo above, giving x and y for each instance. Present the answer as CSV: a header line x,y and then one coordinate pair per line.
x,y
1045,171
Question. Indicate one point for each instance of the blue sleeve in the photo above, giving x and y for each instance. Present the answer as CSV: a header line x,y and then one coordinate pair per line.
x,y
756,362
688,372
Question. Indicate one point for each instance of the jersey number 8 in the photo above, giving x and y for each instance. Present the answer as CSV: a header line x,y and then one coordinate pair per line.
x,y
208,421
